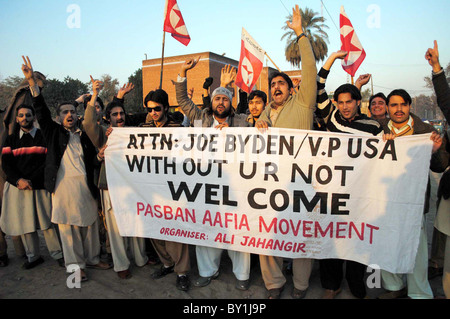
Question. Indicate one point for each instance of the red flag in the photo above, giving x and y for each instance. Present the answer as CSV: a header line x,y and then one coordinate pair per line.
x,y
351,44
250,63
174,23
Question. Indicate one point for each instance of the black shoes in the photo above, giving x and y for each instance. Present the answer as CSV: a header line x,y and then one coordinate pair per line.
x,y
30,265
183,282
162,272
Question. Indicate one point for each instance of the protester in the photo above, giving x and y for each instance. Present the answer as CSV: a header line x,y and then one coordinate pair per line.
x,y
377,106
294,111
8,125
173,255
442,222
115,115
26,205
69,173
221,114
345,118
403,123
257,101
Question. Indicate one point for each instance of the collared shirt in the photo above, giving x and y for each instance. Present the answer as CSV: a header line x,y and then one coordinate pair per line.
x,y
406,129
216,122
32,132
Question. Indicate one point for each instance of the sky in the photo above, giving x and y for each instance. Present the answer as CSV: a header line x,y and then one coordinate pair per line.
x,y
82,38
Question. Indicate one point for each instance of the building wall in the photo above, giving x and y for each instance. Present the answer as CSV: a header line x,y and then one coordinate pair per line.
x,y
210,65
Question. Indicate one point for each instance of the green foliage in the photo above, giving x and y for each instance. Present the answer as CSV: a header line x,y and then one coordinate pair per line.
x,y
313,27
134,99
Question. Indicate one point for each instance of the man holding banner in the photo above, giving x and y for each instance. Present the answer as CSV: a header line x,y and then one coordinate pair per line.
x,y
345,118
295,112
173,255
220,114
404,123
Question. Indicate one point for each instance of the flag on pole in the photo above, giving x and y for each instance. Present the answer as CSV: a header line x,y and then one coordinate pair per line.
x,y
174,22
250,63
351,44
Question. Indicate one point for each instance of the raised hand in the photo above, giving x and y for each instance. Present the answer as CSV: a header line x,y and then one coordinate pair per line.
x,y
227,76
124,90
97,86
27,70
296,23
432,56
188,65
362,80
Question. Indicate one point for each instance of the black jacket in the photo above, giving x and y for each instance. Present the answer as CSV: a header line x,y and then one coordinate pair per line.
x,y
57,138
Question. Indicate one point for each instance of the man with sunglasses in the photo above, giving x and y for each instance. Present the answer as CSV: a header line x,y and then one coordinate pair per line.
x,y
174,256
26,206
157,105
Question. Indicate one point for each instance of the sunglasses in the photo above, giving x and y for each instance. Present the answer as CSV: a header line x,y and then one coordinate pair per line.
x,y
156,109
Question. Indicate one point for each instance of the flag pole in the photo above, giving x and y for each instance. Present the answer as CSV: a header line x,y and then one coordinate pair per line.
x,y
162,60
265,53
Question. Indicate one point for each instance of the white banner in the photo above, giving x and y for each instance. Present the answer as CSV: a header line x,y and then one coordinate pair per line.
x,y
289,193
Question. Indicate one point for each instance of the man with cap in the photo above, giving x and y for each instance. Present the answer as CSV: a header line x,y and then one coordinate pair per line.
x,y
220,114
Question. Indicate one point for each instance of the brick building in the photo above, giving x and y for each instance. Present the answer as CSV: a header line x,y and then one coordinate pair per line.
x,y
210,65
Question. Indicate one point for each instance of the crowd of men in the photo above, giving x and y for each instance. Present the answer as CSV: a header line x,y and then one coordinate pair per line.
x,y
55,174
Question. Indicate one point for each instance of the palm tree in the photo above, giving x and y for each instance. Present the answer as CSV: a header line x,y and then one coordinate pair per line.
x,y
314,26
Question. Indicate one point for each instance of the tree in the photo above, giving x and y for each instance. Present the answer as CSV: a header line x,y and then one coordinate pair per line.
x,y
134,99
313,27
7,89
110,88
56,91
429,81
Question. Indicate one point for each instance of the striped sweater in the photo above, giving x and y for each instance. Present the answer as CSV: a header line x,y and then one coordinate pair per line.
x,y
24,158
327,111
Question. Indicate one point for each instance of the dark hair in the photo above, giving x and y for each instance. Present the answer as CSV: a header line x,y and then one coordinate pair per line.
x,y
110,106
158,96
258,93
87,99
25,106
284,76
58,108
348,88
402,93
380,95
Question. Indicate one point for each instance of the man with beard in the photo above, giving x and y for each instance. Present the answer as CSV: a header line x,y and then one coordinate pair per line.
x,y
98,134
69,176
26,205
220,114
293,111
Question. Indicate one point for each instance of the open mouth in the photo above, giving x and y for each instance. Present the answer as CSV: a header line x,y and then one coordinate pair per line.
x,y
278,93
